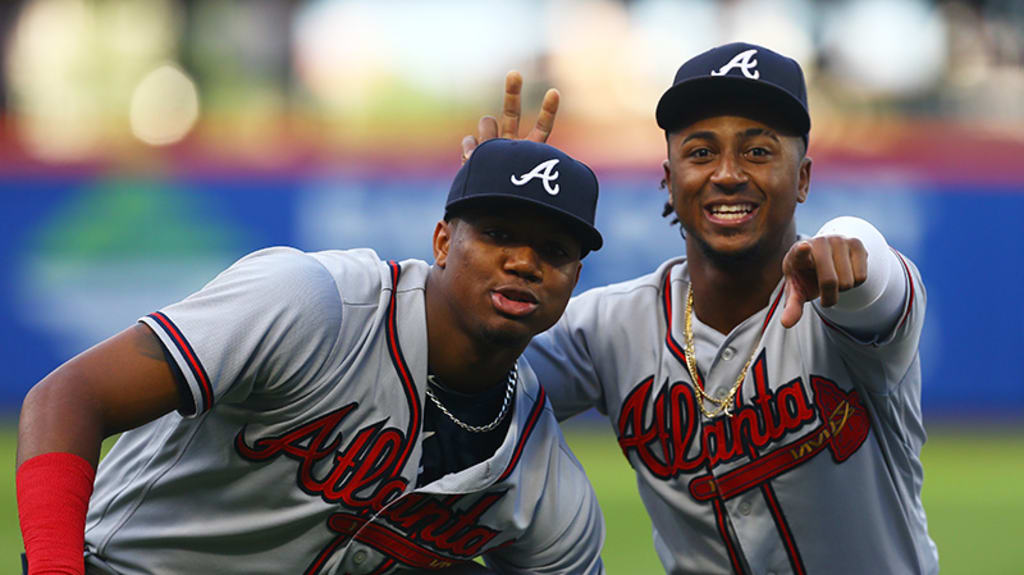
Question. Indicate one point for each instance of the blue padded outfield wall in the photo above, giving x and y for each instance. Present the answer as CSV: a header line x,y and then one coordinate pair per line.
x,y
84,256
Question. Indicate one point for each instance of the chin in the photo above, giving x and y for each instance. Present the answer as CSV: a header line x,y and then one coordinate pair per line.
x,y
728,253
507,335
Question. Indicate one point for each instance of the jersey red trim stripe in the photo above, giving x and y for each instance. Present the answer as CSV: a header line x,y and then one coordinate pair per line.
x,y
775,510
910,284
771,310
730,546
194,365
531,423
795,560
383,567
402,367
673,345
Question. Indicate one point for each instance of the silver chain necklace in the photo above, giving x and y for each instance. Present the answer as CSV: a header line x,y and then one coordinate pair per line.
x,y
513,377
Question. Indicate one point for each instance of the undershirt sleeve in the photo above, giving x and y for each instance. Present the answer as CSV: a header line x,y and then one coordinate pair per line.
x,y
872,309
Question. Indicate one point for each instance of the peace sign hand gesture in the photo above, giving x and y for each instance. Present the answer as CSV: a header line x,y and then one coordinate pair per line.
x,y
488,127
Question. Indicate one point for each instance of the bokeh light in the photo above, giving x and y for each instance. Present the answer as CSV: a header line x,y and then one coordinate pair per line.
x,y
165,106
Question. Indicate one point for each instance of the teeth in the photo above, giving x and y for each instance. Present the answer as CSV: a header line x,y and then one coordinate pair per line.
x,y
733,208
731,211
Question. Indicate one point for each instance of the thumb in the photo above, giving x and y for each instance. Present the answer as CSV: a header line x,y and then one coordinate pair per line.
x,y
794,308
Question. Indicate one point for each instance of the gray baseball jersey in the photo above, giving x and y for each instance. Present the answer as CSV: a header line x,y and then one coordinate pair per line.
x,y
817,469
301,450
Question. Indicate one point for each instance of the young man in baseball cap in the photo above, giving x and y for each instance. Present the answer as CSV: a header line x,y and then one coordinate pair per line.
x,y
331,412
765,386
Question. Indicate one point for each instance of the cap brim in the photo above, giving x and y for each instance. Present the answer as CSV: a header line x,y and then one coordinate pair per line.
x,y
698,98
590,238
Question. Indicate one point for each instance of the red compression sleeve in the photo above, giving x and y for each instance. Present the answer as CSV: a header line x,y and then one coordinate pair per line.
x,y
53,496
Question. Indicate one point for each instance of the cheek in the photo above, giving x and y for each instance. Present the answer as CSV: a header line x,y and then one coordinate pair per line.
x,y
562,283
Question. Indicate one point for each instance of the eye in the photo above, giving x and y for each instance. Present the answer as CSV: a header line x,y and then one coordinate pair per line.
x,y
497,234
759,152
699,153
556,250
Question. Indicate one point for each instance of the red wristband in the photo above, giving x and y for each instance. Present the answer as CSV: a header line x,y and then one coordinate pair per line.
x,y
53,497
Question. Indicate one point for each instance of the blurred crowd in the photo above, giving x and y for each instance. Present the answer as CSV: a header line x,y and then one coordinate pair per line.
x,y
93,78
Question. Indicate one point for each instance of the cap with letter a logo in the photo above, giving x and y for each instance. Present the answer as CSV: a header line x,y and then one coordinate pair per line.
x,y
537,174
737,76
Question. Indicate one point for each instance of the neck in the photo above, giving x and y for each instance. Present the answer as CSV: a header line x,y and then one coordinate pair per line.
x,y
726,291
461,360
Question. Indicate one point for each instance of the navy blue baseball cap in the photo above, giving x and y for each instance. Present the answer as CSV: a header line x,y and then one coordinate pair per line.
x,y
536,174
741,76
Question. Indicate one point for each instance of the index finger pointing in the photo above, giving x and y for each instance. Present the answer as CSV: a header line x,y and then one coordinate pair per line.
x,y
511,108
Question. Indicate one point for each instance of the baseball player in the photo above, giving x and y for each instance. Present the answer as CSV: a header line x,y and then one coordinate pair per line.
x,y
765,387
329,412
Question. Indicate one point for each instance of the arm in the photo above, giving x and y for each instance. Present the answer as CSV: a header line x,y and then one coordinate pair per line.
x,y
119,384
256,326
488,127
854,279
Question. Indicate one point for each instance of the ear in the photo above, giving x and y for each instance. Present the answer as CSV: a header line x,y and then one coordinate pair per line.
x,y
804,179
442,241
666,181
576,280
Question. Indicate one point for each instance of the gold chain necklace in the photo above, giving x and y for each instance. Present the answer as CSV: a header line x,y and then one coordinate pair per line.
x,y
723,405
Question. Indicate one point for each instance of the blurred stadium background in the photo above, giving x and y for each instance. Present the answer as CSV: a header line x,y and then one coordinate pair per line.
x,y
146,144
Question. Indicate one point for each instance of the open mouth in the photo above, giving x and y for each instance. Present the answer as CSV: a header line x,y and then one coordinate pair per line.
x,y
514,302
730,213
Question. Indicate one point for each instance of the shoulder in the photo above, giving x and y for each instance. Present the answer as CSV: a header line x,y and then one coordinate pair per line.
x,y
271,272
318,284
623,299
359,274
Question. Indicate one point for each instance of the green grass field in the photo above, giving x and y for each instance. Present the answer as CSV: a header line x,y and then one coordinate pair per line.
x,y
973,493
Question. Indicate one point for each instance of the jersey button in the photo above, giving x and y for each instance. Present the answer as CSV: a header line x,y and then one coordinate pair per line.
x,y
727,353
744,508
358,557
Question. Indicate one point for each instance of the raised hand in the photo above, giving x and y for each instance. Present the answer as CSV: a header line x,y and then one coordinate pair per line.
x,y
511,111
822,267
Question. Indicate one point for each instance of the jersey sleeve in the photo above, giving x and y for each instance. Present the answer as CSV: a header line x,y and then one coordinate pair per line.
x,y
567,532
561,358
266,325
880,345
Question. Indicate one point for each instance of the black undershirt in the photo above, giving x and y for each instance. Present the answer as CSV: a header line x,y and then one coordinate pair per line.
x,y
451,448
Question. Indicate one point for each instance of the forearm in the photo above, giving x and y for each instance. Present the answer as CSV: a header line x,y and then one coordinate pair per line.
x,y
118,384
873,307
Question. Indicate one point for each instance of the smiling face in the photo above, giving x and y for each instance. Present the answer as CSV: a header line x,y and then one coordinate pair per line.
x,y
508,271
734,183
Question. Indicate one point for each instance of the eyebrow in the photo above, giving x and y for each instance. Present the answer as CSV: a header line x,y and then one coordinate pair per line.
x,y
760,132
705,135
708,135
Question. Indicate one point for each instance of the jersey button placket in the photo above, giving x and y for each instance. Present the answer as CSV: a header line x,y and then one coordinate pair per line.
x,y
359,557
728,353
744,508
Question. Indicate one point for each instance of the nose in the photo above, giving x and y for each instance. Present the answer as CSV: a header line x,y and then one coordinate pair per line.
x,y
729,175
524,262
